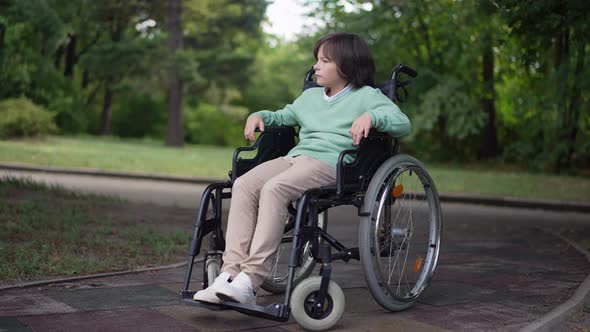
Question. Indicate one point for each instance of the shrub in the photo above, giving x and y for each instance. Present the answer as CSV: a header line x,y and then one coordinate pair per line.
x,y
19,117
140,116
70,116
206,124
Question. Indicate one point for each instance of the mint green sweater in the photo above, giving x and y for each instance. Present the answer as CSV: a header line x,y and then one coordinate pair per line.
x,y
324,125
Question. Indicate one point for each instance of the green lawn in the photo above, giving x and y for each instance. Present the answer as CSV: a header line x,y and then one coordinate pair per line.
x,y
82,233
144,156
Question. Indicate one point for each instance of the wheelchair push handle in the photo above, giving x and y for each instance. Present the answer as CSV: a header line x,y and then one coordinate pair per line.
x,y
397,83
401,68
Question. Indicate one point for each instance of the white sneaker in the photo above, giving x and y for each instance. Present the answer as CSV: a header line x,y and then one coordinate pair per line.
x,y
208,294
239,290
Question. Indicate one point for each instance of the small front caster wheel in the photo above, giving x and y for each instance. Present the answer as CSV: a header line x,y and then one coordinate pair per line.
x,y
213,266
311,315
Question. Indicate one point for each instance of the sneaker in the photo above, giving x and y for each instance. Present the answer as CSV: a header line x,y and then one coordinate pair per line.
x,y
208,294
239,290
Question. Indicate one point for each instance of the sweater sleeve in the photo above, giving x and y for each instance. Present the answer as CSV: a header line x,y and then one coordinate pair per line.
x,y
284,117
386,115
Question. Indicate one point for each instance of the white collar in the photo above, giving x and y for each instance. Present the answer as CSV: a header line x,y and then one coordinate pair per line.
x,y
340,93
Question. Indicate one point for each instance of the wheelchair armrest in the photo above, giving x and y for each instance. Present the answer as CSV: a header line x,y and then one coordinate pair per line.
x,y
340,169
274,142
370,154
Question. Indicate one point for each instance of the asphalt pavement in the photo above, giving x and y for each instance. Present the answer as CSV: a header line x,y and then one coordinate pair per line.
x,y
500,269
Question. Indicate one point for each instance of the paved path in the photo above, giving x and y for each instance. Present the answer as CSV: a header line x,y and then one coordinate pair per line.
x,y
498,271
157,192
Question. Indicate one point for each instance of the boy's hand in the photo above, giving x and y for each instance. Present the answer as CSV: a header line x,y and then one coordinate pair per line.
x,y
253,122
360,128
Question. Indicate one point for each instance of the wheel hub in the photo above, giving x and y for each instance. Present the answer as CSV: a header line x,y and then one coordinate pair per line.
x,y
315,309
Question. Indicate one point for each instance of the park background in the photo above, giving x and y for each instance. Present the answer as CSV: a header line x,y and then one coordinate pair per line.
x,y
499,107
502,84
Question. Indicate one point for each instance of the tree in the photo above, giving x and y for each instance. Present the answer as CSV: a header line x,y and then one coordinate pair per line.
x,y
175,134
122,53
565,27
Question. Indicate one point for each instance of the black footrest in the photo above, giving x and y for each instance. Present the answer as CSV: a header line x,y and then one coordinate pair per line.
x,y
186,297
276,311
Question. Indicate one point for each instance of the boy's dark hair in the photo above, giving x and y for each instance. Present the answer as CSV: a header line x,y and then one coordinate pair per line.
x,y
352,56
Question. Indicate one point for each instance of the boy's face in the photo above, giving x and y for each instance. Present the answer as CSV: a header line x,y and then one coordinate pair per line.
x,y
326,71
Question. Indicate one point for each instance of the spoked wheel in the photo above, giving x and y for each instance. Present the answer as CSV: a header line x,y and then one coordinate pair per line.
x,y
276,282
312,315
399,240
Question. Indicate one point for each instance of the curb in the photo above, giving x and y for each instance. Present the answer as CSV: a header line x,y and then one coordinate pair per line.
x,y
553,205
94,276
557,317
102,173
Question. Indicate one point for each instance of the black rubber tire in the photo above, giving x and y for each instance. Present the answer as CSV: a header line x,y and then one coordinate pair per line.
x,y
394,164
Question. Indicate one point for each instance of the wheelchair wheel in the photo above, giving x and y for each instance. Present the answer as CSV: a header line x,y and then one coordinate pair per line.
x,y
276,282
399,240
213,267
305,310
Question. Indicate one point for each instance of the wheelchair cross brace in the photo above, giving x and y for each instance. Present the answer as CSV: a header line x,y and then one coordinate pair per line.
x,y
304,230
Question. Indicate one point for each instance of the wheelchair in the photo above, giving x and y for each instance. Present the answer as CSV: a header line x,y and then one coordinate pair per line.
x,y
399,227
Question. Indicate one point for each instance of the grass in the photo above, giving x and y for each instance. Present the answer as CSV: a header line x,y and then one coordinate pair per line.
x,y
47,231
149,156
143,156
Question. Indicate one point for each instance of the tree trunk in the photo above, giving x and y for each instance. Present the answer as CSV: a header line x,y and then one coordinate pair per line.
x,y
562,97
575,105
85,79
2,31
489,141
58,56
105,117
70,56
175,133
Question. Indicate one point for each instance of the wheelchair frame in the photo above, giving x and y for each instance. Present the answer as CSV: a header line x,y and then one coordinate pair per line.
x,y
352,181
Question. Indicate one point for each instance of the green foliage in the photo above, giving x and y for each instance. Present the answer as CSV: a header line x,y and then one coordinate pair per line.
x,y
63,55
278,76
540,73
46,26
140,116
459,110
130,56
206,124
70,109
21,118
225,35
448,112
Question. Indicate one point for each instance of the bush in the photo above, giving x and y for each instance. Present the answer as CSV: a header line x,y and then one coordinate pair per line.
x,y
140,116
206,124
19,117
70,116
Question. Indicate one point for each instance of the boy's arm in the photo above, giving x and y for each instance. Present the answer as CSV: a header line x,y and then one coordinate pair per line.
x,y
386,115
285,117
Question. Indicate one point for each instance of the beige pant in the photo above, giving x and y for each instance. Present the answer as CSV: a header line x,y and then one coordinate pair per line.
x,y
258,211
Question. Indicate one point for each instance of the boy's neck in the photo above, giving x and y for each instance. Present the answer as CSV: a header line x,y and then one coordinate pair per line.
x,y
330,91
